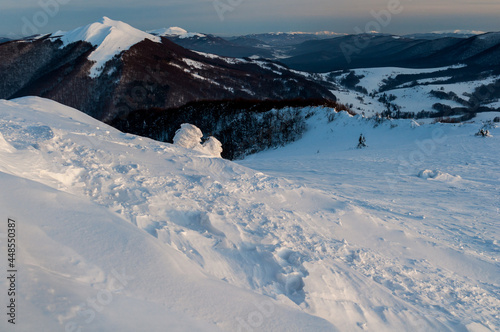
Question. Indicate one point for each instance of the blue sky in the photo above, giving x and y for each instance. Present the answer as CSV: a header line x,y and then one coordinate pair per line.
x,y
232,17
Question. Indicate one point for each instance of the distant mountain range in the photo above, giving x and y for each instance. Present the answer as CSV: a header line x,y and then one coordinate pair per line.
x,y
237,48
324,52
288,38
273,45
364,51
109,68
446,33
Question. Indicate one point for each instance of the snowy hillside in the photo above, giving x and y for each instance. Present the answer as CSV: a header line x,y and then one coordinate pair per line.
x,y
118,232
373,90
421,214
122,233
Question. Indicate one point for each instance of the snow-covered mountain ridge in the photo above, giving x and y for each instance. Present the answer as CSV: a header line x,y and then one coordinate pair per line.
x,y
108,36
232,248
460,32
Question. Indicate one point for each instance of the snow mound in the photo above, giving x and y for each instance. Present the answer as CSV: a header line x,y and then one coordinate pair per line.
x,y
414,124
213,147
175,32
109,36
438,175
189,137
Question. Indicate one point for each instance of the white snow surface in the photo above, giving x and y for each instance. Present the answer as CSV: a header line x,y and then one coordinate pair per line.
x,y
119,232
109,36
373,77
420,220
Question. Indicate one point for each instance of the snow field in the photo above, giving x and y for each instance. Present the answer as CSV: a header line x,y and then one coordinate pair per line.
x,y
80,220
352,240
430,242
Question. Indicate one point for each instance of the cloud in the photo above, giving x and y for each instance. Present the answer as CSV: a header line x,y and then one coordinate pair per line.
x,y
248,16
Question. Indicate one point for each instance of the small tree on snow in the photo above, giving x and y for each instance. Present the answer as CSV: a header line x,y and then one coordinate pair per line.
x,y
483,132
213,147
189,136
362,142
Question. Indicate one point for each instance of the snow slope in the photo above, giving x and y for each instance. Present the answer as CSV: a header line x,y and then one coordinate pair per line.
x,y
94,209
207,244
108,36
409,97
427,203
373,78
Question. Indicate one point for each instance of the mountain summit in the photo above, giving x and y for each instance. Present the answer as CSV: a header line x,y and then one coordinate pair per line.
x,y
175,32
110,38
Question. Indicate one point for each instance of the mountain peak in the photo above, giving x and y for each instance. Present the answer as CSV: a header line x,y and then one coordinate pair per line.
x,y
175,32
107,20
110,38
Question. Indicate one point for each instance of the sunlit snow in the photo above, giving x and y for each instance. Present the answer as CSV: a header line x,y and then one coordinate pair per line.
x,y
119,232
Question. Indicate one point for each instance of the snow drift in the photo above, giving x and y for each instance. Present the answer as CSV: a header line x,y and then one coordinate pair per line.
x,y
437,175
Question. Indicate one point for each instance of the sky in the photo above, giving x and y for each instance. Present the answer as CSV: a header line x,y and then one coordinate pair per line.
x,y
234,17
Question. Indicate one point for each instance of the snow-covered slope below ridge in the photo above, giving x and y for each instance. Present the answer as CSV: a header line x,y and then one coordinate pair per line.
x,y
208,238
108,36
106,232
